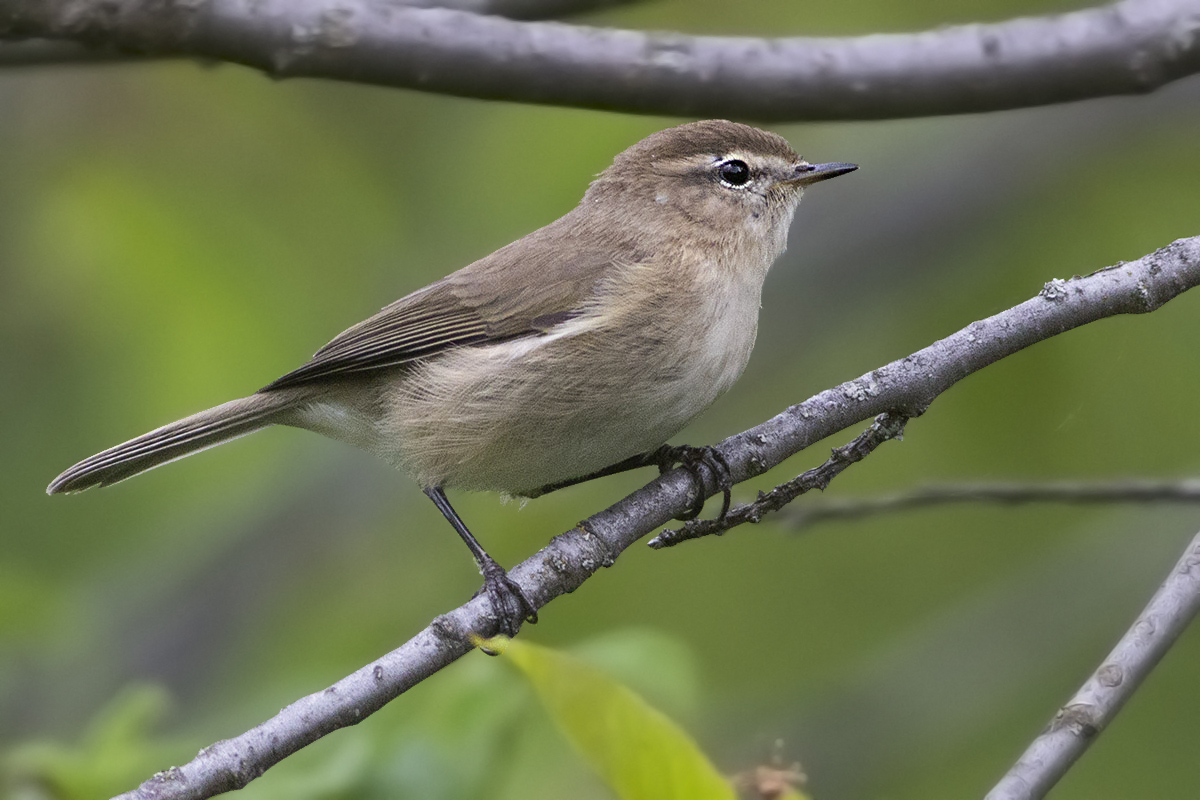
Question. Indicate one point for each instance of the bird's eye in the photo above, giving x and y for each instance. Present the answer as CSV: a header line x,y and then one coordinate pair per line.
x,y
734,172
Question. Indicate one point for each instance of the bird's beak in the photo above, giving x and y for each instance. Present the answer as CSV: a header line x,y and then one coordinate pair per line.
x,y
811,173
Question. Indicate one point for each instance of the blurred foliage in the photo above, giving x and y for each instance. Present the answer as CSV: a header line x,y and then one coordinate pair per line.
x,y
474,734
639,751
119,748
173,235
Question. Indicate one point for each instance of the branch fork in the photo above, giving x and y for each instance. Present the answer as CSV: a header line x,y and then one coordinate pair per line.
x,y
909,384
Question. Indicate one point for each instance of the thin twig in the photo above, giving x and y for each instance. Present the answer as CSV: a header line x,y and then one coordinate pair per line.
x,y
906,387
1131,46
885,428
1097,702
1081,492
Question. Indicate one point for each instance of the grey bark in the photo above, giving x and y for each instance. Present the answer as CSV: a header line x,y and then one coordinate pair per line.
x,y
1075,492
1132,46
905,387
1088,713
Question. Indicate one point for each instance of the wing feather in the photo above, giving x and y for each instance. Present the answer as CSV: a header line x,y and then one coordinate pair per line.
x,y
398,334
524,289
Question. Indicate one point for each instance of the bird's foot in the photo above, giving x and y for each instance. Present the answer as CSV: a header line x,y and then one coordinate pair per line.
x,y
693,460
510,604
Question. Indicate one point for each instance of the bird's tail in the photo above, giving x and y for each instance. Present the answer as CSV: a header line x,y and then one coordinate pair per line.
x,y
170,442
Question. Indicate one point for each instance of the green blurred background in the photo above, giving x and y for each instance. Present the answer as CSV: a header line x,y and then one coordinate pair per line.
x,y
172,236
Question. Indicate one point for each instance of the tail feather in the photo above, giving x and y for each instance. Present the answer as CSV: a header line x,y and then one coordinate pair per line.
x,y
171,442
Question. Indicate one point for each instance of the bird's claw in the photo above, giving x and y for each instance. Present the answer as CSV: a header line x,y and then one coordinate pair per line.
x,y
693,460
511,606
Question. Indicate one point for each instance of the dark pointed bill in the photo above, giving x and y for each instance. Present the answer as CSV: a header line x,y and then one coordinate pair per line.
x,y
811,173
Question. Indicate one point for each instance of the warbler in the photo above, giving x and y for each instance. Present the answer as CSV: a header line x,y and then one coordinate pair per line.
x,y
576,348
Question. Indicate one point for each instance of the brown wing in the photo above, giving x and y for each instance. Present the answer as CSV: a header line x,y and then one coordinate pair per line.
x,y
523,289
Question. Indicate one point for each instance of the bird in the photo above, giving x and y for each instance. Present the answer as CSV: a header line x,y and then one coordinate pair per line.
x,y
583,346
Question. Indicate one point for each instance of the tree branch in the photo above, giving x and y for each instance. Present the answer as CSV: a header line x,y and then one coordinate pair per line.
x,y
1097,702
44,52
521,9
905,387
1132,46
886,427
1079,492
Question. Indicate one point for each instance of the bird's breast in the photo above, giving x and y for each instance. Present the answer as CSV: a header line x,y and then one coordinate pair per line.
x,y
617,381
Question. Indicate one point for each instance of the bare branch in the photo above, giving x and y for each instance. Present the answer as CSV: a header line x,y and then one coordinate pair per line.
x,y
1080,492
1097,702
1131,46
885,428
905,387
521,9
41,52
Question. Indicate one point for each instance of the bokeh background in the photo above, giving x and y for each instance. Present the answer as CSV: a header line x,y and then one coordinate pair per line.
x,y
174,235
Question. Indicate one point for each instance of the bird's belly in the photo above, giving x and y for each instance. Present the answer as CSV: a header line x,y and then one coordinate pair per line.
x,y
518,416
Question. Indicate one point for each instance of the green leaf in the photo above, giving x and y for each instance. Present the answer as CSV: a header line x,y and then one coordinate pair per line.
x,y
635,748
119,750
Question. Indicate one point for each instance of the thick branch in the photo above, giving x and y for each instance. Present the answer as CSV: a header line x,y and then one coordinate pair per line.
x,y
520,9
1129,47
1097,702
40,52
906,386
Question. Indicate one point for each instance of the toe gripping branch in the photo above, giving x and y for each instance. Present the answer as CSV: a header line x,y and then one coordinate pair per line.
x,y
695,460
509,602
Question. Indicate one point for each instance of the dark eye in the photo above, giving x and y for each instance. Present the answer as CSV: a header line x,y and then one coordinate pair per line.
x,y
734,172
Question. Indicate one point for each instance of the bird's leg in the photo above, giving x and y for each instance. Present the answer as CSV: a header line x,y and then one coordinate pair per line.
x,y
651,459
509,602
690,458
693,459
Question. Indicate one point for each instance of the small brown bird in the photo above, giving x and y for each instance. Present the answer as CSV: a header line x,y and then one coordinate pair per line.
x,y
580,346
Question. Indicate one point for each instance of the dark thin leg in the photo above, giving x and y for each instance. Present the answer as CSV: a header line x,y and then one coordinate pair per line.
x,y
692,459
651,459
509,602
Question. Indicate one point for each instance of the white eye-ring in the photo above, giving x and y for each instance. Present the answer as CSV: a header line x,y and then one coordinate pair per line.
x,y
734,173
